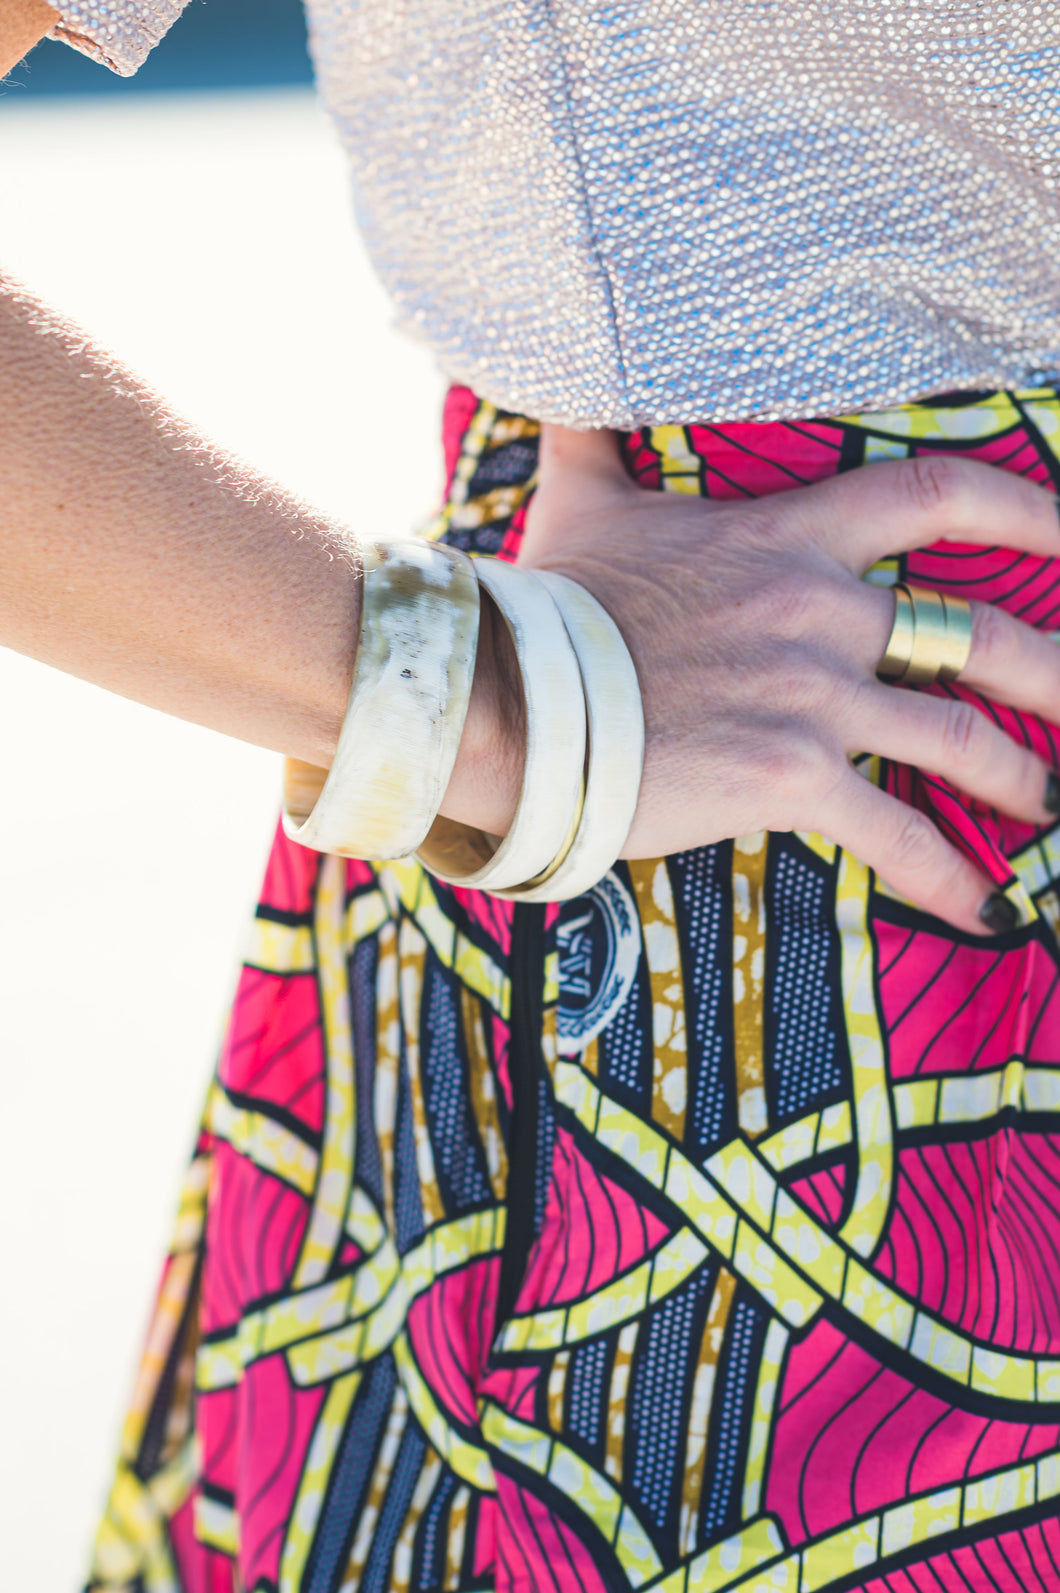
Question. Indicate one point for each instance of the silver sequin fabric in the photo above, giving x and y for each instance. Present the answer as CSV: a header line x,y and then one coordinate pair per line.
x,y
120,33
652,211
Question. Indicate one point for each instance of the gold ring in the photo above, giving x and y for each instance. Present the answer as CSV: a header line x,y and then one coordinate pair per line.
x,y
895,661
931,638
959,635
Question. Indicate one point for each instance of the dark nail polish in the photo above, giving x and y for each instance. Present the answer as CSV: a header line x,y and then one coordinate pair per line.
x,y
999,914
1051,799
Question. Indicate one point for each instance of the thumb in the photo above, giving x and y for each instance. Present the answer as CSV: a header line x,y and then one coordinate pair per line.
x,y
564,451
578,471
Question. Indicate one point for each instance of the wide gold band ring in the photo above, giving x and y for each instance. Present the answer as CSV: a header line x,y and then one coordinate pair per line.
x,y
931,638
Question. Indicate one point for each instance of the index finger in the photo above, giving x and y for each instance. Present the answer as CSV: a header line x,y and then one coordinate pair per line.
x,y
895,506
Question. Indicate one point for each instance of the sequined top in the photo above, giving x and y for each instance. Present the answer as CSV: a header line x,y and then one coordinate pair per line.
x,y
651,211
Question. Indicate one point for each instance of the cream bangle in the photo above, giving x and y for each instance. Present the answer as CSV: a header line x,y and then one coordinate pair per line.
x,y
555,746
616,746
408,701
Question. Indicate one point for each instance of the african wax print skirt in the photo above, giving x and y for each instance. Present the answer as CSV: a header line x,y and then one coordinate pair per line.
x,y
700,1234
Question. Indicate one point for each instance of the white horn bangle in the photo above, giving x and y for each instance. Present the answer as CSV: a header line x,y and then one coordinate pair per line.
x,y
555,746
616,746
408,701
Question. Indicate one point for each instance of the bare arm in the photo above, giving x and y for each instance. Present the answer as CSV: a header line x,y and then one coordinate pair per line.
x,y
134,555
137,556
23,23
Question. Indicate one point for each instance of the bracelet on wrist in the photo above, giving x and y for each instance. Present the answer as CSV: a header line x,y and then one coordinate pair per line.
x,y
615,742
555,743
405,715
407,706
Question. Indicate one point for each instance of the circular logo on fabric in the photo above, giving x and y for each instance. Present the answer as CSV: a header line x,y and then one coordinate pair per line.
x,y
599,949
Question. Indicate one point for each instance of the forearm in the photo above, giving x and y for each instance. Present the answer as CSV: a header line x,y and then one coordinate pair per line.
x,y
138,557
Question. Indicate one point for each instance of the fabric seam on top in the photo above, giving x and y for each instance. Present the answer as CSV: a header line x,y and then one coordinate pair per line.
x,y
597,251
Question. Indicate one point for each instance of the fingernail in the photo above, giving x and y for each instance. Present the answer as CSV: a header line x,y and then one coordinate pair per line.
x,y
999,914
1051,799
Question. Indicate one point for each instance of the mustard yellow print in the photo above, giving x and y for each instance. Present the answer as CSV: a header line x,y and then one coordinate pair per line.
x,y
749,858
658,918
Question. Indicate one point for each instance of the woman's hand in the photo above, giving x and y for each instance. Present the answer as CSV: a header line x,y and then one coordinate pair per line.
x,y
138,557
756,644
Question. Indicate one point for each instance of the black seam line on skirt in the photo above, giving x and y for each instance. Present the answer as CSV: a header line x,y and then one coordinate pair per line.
x,y
525,1070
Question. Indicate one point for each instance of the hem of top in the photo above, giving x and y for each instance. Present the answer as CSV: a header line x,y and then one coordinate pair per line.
x,y
830,406
120,65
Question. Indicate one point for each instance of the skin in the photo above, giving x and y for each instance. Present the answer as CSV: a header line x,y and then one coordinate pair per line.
x,y
23,23
756,643
137,556
141,558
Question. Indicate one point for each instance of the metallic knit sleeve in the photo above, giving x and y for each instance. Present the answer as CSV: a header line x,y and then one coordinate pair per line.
x,y
119,33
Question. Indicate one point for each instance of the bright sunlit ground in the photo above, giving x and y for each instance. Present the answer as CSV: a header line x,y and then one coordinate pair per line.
x,y
208,240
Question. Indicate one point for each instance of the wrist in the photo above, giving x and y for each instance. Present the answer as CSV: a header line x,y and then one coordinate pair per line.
x,y
488,774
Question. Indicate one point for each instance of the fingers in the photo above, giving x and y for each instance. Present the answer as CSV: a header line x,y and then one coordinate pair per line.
x,y
580,478
865,514
1013,663
1009,661
954,739
917,862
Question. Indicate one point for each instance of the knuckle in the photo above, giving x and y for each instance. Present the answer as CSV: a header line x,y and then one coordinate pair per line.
x,y
989,634
803,767
914,846
932,482
966,735
768,763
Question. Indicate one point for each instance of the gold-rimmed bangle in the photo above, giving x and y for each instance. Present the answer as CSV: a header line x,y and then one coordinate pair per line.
x,y
615,753
405,716
547,875
554,766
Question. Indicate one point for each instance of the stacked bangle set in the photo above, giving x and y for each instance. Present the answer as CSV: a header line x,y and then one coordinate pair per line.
x,y
405,717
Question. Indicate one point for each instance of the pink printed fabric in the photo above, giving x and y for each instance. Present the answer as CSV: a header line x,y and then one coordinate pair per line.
x,y
700,1234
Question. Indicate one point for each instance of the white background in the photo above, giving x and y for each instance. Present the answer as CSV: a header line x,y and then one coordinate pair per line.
x,y
208,240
